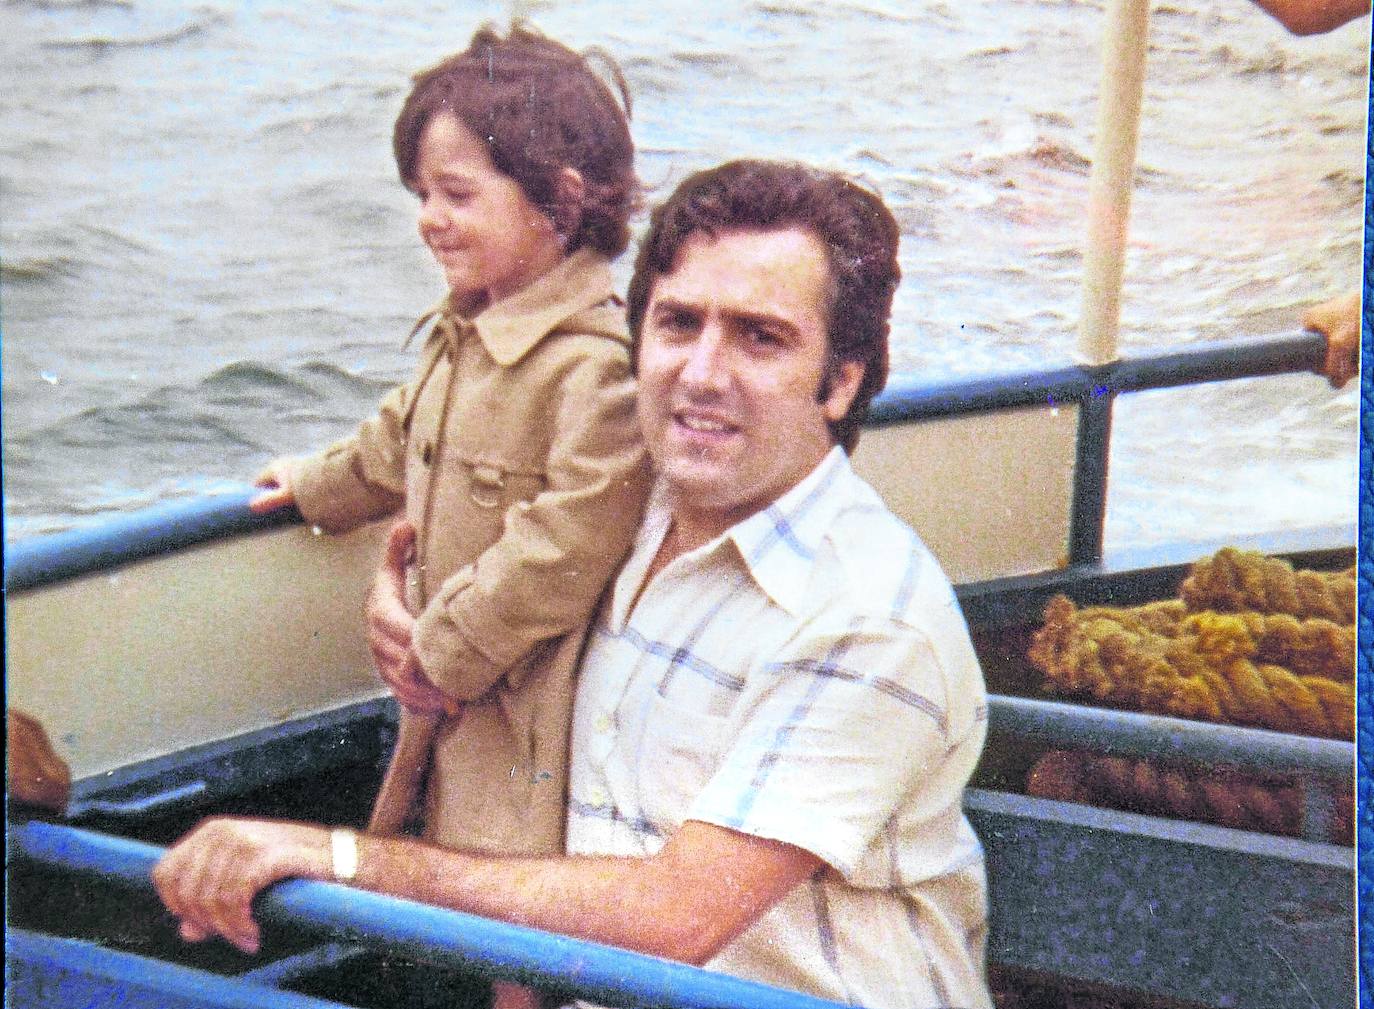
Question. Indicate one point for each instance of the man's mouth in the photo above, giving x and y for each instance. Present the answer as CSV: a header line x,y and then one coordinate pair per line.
x,y
703,423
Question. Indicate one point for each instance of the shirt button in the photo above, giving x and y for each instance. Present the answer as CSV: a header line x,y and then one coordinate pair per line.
x,y
603,722
597,795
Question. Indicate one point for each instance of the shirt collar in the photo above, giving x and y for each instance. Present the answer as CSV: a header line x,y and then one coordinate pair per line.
x,y
512,327
779,544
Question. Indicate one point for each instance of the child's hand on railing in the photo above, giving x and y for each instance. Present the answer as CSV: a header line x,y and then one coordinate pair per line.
x,y
277,493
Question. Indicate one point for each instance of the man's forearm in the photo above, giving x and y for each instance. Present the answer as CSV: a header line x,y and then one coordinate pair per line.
x,y
608,900
706,886
685,903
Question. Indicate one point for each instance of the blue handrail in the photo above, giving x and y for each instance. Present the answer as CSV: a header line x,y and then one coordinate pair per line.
x,y
134,536
177,525
50,972
603,974
1132,734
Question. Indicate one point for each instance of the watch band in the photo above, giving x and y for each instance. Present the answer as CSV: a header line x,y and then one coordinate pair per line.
x,y
343,851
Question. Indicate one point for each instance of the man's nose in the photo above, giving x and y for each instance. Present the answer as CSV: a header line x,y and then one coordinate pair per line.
x,y
707,365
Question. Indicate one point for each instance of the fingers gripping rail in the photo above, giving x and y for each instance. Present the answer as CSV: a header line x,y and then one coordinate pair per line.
x,y
603,974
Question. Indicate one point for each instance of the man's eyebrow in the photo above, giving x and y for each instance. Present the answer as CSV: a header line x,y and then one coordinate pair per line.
x,y
674,305
449,175
767,319
764,319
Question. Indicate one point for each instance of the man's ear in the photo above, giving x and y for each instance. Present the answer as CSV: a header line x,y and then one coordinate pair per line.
x,y
569,192
840,387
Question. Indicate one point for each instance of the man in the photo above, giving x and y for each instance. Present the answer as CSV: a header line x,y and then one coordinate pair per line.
x,y
779,707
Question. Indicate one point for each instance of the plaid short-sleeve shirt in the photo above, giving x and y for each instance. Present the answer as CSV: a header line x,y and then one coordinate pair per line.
x,y
805,677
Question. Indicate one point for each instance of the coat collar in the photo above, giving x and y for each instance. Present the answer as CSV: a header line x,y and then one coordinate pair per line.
x,y
512,327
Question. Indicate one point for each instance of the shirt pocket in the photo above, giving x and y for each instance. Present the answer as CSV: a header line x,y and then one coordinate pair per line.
x,y
681,752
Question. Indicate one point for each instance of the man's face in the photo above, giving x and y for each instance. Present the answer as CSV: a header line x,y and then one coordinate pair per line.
x,y
731,354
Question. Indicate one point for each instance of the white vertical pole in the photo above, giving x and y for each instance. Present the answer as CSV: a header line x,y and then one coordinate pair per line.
x,y
1109,188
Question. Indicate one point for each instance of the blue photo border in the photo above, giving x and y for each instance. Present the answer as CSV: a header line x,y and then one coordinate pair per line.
x,y
1364,685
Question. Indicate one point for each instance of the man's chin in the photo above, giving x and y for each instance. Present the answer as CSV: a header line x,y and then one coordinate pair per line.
x,y
701,483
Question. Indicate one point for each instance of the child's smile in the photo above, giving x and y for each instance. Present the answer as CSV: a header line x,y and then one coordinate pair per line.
x,y
483,231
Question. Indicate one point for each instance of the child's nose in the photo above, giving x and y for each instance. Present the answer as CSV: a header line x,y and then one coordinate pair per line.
x,y
432,216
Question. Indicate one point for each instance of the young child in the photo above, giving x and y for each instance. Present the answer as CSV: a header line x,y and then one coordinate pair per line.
x,y
514,452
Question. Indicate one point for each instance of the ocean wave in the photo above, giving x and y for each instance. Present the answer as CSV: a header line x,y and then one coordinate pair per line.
x,y
245,381
223,409
38,269
101,43
889,14
150,422
296,125
1271,61
867,156
321,390
990,52
1346,181
76,250
330,378
1059,253
1039,152
108,239
66,5
793,12
1054,154
713,60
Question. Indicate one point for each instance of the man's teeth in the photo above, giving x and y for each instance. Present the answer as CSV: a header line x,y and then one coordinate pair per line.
x,y
702,424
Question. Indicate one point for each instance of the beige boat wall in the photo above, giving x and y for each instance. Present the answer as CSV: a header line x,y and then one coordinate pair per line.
x,y
244,633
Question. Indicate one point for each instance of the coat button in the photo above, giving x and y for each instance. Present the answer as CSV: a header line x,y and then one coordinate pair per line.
x,y
427,453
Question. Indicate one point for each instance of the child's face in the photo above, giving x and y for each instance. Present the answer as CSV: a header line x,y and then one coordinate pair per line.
x,y
486,235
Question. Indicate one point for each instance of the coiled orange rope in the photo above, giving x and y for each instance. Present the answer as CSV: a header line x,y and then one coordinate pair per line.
x,y
1227,797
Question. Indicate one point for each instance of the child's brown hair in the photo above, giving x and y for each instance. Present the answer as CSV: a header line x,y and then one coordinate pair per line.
x,y
540,109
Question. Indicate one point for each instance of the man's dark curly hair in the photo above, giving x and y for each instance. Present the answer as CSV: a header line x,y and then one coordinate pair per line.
x,y
540,109
859,234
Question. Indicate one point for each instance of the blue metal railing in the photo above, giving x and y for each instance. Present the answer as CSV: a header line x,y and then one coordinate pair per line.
x,y
209,775
1321,767
1211,362
49,972
178,525
603,974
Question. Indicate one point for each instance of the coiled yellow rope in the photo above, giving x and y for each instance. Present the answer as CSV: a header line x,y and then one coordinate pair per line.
x,y
1278,671
1234,580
